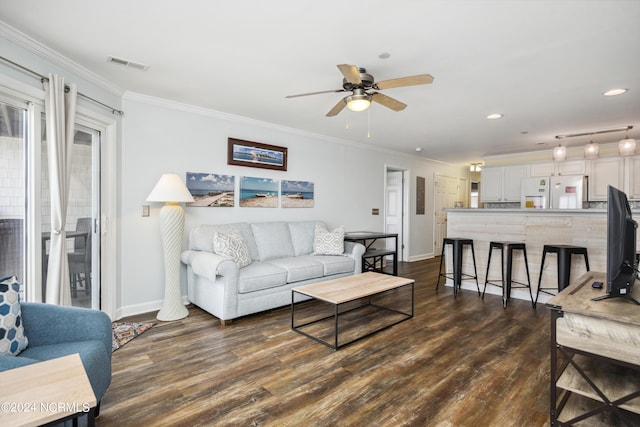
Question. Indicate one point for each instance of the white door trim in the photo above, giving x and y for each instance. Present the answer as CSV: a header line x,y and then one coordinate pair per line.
x,y
108,254
403,241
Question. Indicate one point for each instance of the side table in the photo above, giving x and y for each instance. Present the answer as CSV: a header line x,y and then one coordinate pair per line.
x,y
51,391
372,259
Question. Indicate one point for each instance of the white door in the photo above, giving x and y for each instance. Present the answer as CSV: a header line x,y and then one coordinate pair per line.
x,y
394,210
445,193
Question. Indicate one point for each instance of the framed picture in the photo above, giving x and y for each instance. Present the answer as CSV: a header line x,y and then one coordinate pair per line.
x,y
296,194
256,155
210,189
258,192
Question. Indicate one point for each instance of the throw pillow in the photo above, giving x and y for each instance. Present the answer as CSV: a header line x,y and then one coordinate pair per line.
x,y
12,339
327,242
232,246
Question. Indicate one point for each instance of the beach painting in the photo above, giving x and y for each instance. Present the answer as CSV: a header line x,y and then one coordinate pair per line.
x,y
296,194
255,154
258,192
210,189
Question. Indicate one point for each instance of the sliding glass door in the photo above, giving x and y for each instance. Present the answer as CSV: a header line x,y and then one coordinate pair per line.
x,y
18,160
82,222
13,116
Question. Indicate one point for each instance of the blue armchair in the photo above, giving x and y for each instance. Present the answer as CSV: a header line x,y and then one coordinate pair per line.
x,y
54,331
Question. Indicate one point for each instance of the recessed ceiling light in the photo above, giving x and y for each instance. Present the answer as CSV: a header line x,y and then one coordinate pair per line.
x,y
384,55
418,149
614,92
494,116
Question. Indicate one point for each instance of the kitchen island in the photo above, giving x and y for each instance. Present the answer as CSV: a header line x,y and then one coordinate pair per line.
x,y
536,228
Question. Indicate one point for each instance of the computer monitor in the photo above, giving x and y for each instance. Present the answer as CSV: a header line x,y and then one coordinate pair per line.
x,y
621,246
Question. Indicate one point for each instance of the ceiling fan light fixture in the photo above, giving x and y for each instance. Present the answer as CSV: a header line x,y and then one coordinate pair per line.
x,y
359,101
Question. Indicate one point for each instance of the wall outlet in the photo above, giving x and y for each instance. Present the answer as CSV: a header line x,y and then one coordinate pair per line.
x,y
145,210
375,211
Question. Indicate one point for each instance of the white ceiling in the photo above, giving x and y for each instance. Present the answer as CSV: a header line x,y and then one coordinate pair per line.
x,y
543,64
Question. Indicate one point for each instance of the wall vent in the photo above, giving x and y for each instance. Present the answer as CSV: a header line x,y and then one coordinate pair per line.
x,y
127,63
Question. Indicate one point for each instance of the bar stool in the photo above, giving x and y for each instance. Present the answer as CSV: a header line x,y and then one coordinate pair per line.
x,y
506,285
564,253
458,244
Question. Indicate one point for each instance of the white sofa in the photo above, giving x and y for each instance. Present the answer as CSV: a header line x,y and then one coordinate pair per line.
x,y
281,258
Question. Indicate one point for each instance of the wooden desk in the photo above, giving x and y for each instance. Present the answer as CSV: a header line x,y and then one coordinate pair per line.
x,y
595,356
44,392
373,256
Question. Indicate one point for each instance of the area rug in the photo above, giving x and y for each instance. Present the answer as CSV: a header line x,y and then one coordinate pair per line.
x,y
123,332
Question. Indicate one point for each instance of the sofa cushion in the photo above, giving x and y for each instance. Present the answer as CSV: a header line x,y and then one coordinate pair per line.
x,y
334,264
261,275
201,236
232,245
327,242
300,268
302,236
273,240
12,338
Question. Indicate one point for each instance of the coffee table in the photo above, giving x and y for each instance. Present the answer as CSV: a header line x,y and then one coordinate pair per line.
x,y
46,392
366,293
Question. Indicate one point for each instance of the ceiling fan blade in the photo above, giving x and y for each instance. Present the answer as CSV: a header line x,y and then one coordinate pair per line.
x,y
388,102
421,79
337,108
351,73
315,93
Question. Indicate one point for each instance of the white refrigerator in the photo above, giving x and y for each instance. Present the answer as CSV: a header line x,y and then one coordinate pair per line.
x,y
555,192
535,193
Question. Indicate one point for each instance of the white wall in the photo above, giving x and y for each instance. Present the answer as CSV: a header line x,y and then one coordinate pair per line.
x,y
161,137
155,137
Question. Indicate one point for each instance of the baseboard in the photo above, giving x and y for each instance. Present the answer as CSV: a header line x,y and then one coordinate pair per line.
x,y
421,257
147,307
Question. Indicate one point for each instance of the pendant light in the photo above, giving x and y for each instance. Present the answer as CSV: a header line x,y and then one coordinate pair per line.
x,y
591,150
559,153
627,146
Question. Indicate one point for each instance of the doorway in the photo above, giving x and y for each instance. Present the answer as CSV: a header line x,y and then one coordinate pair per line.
x,y
445,194
396,208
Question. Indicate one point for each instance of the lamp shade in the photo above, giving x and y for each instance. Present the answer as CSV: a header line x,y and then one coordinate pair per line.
x,y
591,150
627,146
170,188
359,101
559,153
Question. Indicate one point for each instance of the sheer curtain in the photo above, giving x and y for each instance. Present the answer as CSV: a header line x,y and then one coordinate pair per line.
x,y
60,107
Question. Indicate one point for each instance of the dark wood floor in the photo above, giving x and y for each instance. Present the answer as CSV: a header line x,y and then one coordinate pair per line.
x,y
458,362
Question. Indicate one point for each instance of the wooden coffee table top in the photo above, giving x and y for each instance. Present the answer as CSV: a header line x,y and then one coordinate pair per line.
x,y
36,394
345,289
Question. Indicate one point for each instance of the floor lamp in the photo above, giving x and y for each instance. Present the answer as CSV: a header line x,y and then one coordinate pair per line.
x,y
171,190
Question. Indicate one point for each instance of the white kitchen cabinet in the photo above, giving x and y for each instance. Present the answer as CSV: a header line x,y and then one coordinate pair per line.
x,y
539,170
502,184
602,173
568,167
633,166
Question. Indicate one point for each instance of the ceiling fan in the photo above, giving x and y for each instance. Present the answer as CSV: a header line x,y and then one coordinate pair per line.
x,y
363,87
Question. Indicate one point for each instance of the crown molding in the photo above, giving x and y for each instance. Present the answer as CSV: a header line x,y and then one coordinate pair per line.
x,y
26,42
207,112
